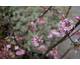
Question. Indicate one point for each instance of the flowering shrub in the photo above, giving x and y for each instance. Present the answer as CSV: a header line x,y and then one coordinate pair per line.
x,y
16,45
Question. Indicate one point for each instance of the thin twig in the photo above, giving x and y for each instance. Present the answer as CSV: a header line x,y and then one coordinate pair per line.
x,y
60,40
14,35
72,34
68,49
70,39
44,13
11,33
65,53
36,19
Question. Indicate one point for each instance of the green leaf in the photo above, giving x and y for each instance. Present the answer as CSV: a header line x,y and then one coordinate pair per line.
x,y
4,47
8,40
1,36
0,32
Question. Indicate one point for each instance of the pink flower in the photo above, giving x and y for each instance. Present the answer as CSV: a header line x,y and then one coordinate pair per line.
x,y
16,47
18,53
74,31
76,41
22,51
53,53
32,26
36,37
21,38
35,41
58,11
53,33
77,33
70,21
40,20
65,20
8,46
62,17
52,10
56,47
77,17
47,55
55,57
13,55
41,47
75,51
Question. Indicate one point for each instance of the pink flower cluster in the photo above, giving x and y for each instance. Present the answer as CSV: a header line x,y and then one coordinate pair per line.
x,y
8,46
4,54
77,17
62,17
20,52
53,53
75,46
53,33
41,20
58,11
16,47
41,47
65,26
32,27
35,41
77,33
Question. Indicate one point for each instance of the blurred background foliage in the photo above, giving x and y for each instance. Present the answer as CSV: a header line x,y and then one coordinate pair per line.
x,y
21,16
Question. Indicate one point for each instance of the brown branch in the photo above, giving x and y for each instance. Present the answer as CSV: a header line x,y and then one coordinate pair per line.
x,y
68,11
44,13
67,50
65,53
36,19
70,39
72,34
14,35
60,40
11,33
9,17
